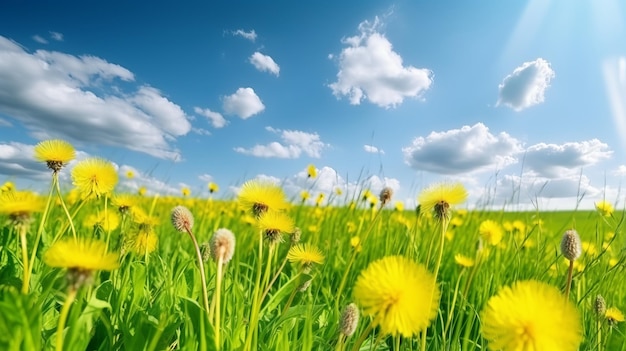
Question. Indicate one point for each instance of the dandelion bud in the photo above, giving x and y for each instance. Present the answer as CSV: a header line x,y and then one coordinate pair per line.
x,y
304,286
600,306
182,219
295,236
571,248
223,245
349,319
385,196
205,250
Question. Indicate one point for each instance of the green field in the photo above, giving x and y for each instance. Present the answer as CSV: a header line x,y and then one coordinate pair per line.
x,y
154,299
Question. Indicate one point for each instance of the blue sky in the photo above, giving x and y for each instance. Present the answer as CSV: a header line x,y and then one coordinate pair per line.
x,y
522,101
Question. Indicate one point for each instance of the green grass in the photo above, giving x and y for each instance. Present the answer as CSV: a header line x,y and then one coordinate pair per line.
x,y
154,301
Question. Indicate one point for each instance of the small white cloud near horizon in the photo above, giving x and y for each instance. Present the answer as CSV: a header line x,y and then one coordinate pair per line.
x,y
216,118
370,69
526,86
556,161
250,35
294,144
620,171
265,63
456,151
244,103
373,149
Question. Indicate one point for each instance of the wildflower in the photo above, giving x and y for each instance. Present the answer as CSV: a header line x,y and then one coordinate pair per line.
x,y
372,200
130,174
439,197
320,199
605,208
349,320
273,224
260,196
144,241
589,248
222,245
571,247
385,196
94,177
304,195
111,222
185,191
355,242
366,195
305,255
55,153
338,191
613,315
142,191
599,306
82,257
20,205
311,171
7,186
400,295
531,315
123,202
182,219
463,261
213,188
399,206
491,232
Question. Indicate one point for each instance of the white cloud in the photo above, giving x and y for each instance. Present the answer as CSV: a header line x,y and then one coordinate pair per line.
x,y
373,149
207,178
553,161
526,86
152,184
56,36
462,150
244,103
250,35
370,69
264,63
38,38
620,171
216,118
56,95
294,143
18,160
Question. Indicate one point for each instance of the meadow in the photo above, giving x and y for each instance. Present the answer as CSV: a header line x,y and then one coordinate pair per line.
x,y
98,269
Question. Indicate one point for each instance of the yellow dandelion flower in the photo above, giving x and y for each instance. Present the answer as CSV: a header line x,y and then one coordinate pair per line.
x,y
519,226
589,248
338,191
130,174
124,202
613,262
111,223
305,254
274,223
320,199
143,242
81,254
55,153
613,315
304,195
94,177
260,196
463,261
366,195
399,206
20,205
605,208
7,186
440,197
142,191
311,171
185,191
529,316
400,294
491,232
213,188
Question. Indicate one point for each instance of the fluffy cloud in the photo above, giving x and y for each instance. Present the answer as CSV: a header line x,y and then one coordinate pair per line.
x,y
75,98
294,143
250,35
553,161
264,63
373,149
152,184
370,69
526,86
216,118
40,39
56,36
462,150
244,103
18,160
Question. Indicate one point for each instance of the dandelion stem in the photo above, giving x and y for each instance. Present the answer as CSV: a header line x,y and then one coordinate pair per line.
x,y
267,289
71,296
363,336
255,296
67,213
568,285
218,284
205,294
42,223
26,266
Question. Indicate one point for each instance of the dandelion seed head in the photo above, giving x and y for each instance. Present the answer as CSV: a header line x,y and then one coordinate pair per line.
x,y
571,247
349,319
182,219
222,245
